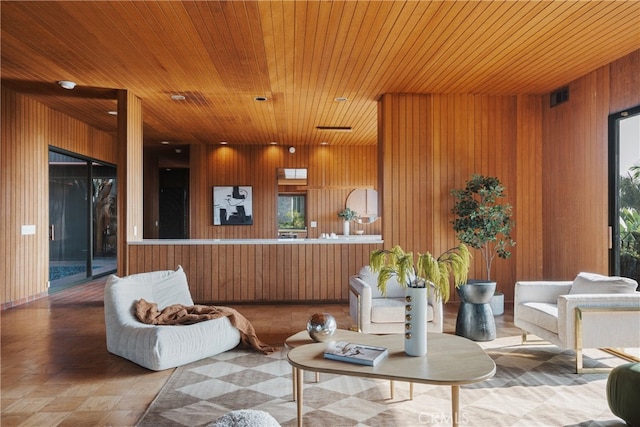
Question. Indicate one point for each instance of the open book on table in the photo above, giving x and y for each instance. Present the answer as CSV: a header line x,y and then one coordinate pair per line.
x,y
361,354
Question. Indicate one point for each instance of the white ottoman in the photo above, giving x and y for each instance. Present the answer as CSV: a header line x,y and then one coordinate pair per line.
x,y
245,418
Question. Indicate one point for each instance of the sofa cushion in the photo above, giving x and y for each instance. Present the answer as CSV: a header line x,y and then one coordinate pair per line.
x,y
542,314
591,283
391,310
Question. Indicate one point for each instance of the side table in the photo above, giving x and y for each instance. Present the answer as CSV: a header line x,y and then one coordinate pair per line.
x,y
475,318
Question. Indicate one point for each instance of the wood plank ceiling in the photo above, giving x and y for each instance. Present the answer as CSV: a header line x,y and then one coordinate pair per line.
x,y
300,55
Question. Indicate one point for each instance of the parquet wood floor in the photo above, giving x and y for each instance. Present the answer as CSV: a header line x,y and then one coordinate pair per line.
x,y
56,370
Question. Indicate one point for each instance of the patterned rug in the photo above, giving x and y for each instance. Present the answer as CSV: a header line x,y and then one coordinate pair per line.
x,y
534,386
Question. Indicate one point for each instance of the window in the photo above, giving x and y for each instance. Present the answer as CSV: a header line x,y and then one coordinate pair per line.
x,y
291,212
624,204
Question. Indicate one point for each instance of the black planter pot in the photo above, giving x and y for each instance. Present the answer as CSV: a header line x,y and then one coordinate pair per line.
x,y
475,318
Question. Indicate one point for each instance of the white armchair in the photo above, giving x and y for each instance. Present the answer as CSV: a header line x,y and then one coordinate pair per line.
x,y
378,314
593,311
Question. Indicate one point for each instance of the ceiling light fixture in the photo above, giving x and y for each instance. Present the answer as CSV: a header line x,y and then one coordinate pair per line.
x,y
112,113
178,150
164,142
341,99
273,143
67,84
292,149
260,98
324,143
335,128
223,142
178,97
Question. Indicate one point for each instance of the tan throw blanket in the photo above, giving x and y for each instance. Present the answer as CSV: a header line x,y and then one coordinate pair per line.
x,y
178,314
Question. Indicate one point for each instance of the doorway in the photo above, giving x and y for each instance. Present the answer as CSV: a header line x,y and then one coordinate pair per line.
x,y
624,204
173,203
82,219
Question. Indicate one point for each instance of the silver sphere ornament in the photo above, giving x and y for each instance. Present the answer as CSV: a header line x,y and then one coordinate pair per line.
x,y
321,326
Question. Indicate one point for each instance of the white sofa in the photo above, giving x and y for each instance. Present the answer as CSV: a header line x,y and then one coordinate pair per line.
x,y
592,311
375,313
160,347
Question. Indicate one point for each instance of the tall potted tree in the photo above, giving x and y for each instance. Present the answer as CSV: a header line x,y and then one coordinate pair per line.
x,y
484,224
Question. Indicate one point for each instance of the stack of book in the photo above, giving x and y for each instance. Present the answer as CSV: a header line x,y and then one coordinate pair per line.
x,y
361,354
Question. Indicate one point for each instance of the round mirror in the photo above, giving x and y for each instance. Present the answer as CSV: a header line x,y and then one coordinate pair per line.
x,y
365,202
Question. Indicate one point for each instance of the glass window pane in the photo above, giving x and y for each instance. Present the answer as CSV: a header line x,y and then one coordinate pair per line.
x,y
291,212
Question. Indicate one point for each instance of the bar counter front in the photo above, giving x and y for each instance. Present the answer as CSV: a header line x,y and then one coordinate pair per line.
x,y
259,270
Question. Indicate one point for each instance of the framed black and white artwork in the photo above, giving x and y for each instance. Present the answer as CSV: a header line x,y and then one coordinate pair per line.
x,y
232,205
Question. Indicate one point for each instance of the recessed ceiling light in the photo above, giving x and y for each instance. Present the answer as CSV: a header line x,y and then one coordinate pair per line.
x,y
113,113
260,98
273,143
292,149
324,143
178,97
223,142
341,99
67,84
164,142
178,150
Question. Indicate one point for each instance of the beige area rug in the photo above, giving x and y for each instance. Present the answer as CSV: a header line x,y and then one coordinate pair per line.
x,y
534,386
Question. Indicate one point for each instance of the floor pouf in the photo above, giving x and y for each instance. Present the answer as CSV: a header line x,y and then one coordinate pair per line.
x,y
245,418
623,392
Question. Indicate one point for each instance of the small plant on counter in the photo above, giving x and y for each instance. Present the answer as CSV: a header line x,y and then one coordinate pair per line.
x,y
348,214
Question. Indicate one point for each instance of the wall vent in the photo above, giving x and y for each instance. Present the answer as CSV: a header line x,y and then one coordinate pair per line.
x,y
559,96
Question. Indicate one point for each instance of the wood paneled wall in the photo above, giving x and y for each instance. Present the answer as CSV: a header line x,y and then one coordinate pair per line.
x,y
130,174
431,144
575,169
552,161
333,172
28,129
266,272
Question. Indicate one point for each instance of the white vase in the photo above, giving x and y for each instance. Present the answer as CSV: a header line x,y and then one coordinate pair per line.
x,y
345,228
415,334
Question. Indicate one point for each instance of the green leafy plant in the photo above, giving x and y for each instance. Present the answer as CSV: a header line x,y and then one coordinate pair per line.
x,y
348,214
294,220
480,221
395,262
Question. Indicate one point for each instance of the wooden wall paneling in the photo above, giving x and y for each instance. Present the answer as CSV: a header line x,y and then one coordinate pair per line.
x,y
528,254
226,273
468,136
28,128
575,180
625,83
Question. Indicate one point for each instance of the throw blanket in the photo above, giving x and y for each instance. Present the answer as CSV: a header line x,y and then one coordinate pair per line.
x,y
178,314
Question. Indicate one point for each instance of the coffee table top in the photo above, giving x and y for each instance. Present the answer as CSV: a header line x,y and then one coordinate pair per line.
x,y
450,359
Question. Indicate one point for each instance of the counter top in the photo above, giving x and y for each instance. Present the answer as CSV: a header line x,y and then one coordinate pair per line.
x,y
356,239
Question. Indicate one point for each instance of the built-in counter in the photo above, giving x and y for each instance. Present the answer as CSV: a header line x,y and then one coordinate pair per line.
x,y
259,270
340,239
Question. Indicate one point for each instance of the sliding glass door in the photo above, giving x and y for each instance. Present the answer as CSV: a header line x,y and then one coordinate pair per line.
x,y
82,219
624,144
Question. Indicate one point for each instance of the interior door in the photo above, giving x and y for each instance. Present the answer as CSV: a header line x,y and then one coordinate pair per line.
x,y
624,212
